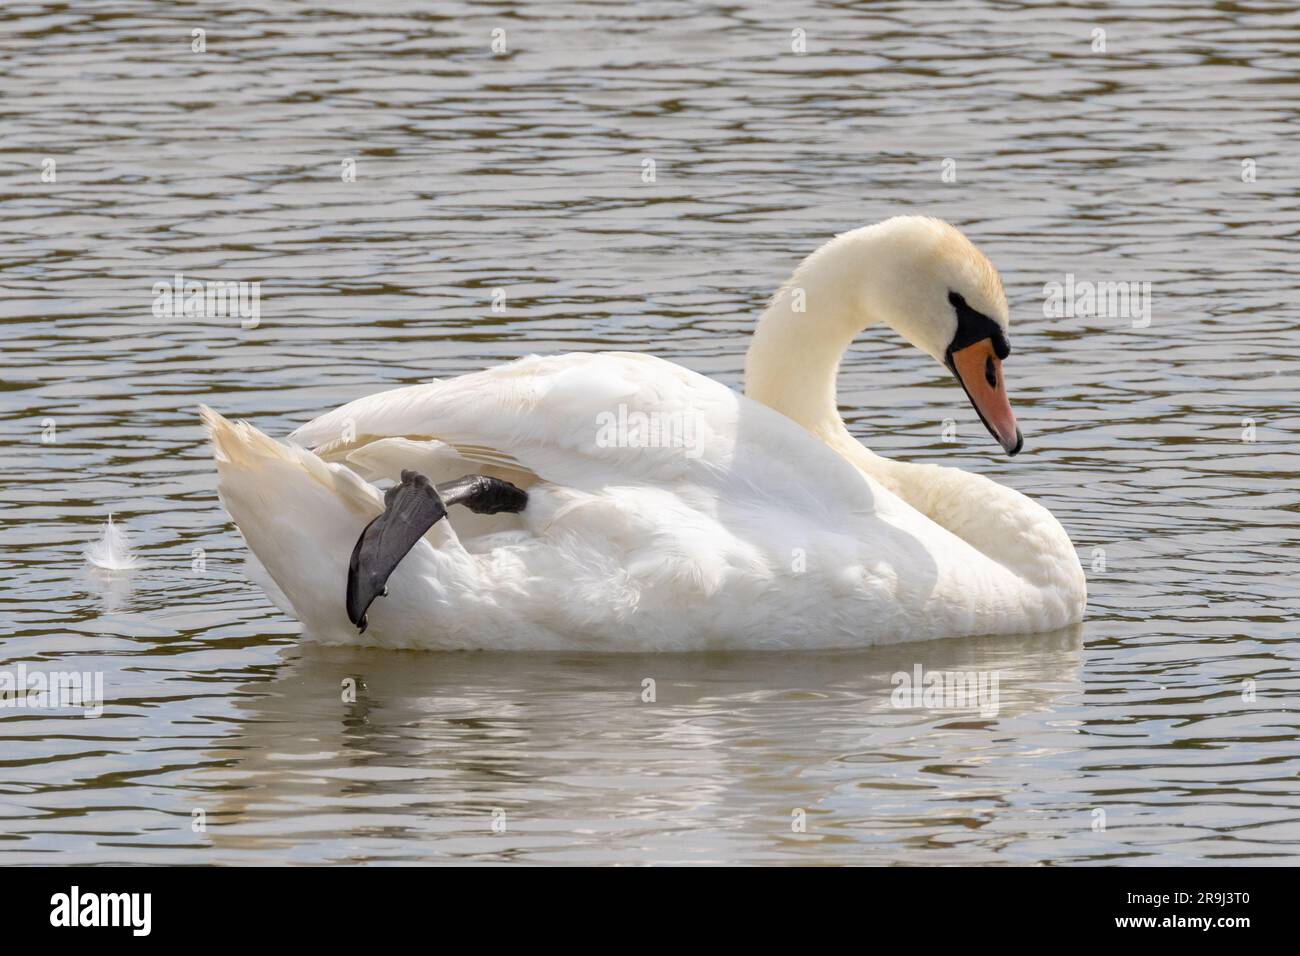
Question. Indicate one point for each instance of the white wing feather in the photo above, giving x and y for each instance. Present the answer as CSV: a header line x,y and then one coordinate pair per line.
x,y
543,415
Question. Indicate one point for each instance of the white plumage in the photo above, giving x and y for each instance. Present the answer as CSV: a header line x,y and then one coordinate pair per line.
x,y
111,551
757,530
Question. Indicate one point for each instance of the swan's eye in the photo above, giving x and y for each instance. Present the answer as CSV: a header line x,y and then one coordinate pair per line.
x,y
990,373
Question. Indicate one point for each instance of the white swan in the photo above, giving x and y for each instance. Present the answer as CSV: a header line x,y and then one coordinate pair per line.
x,y
666,511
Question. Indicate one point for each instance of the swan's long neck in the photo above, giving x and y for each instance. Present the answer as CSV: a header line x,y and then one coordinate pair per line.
x,y
794,356
792,365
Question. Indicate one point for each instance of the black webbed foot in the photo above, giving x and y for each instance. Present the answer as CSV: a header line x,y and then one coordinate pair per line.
x,y
411,508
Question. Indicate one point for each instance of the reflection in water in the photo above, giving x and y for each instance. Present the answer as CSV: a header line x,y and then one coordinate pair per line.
x,y
584,767
113,588
1168,451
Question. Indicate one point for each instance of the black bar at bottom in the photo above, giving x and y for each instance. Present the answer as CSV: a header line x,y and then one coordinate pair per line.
x,y
332,905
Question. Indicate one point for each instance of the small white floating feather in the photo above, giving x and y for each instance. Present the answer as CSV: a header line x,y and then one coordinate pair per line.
x,y
111,552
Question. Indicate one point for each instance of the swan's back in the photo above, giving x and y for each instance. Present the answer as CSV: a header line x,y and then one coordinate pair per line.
x,y
550,418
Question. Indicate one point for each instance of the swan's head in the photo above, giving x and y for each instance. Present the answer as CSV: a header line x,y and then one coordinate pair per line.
x,y
931,284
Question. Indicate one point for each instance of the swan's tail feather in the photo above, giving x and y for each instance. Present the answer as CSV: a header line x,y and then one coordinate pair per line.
x,y
300,516
238,445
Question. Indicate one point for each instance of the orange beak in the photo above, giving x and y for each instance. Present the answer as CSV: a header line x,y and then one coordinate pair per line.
x,y
979,370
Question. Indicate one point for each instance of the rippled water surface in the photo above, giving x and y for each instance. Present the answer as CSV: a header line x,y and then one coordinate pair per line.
x,y
1168,451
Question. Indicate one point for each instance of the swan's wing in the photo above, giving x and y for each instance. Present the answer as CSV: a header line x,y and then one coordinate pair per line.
x,y
540,415
592,420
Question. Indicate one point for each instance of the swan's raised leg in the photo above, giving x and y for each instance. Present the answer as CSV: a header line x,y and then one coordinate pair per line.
x,y
481,494
411,508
